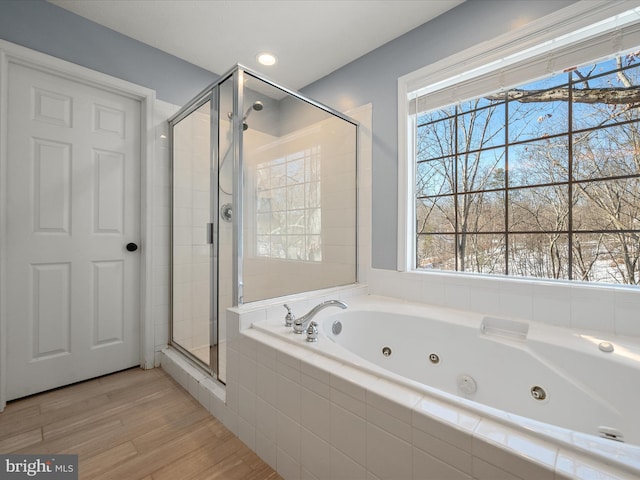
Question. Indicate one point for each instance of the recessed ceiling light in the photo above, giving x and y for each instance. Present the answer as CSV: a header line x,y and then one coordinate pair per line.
x,y
267,59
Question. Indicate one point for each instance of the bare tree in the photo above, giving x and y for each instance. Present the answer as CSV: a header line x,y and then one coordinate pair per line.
x,y
459,183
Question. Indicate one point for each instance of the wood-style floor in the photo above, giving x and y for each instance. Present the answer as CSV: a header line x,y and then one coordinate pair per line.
x,y
134,424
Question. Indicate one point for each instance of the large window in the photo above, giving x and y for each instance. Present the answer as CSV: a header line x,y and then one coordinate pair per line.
x,y
542,180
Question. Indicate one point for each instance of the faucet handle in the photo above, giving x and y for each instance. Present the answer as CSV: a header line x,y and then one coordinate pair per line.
x,y
289,317
312,332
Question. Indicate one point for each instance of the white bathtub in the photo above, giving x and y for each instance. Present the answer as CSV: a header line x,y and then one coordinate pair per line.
x,y
494,368
500,362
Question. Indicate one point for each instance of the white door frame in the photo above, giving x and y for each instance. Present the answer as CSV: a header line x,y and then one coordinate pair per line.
x,y
12,53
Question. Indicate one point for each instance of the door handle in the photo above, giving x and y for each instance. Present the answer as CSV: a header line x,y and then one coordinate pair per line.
x,y
131,247
210,233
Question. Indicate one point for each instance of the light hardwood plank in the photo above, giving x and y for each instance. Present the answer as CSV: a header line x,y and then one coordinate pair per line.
x,y
20,440
134,425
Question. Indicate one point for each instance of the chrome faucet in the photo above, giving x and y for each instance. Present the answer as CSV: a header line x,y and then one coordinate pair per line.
x,y
300,324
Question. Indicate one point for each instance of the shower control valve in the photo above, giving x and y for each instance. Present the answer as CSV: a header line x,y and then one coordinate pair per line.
x,y
289,317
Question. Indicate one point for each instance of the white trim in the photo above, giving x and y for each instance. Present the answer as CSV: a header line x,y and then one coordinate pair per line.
x,y
572,18
12,53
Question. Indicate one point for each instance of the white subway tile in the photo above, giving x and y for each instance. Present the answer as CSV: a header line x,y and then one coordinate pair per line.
x,y
432,291
288,366
347,380
447,453
315,455
592,308
246,345
516,452
309,367
627,306
344,467
446,422
316,386
393,399
457,296
266,449
230,420
349,434
315,414
387,455
266,384
233,395
247,433
247,405
552,305
288,436
216,406
485,300
266,419
516,302
349,403
247,369
288,397
307,475
486,471
288,467
265,356
570,465
426,466
389,423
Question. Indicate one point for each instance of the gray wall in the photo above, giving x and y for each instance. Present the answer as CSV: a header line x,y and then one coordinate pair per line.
x,y
47,28
373,78
369,79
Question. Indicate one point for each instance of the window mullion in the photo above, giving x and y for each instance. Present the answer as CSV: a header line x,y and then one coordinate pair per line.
x,y
456,188
506,183
570,175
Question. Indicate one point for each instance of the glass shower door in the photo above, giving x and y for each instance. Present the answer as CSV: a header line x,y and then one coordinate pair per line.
x,y
193,325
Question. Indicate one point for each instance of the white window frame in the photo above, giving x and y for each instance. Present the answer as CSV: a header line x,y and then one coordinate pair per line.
x,y
506,53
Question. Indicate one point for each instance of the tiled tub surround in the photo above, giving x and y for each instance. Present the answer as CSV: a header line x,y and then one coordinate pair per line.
x,y
581,379
317,411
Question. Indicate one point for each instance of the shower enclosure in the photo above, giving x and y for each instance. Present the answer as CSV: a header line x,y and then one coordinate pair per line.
x,y
264,189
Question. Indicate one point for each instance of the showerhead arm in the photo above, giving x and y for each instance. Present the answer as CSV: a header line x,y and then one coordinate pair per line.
x,y
257,106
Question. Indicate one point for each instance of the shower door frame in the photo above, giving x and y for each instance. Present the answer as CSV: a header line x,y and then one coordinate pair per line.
x,y
211,92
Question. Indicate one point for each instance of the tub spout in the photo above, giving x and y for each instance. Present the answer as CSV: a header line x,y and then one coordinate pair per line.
x,y
300,324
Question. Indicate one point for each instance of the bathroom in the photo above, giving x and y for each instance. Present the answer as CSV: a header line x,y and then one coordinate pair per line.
x,y
366,90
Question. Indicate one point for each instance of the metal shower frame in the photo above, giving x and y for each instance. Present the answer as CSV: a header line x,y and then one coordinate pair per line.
x,y
211,93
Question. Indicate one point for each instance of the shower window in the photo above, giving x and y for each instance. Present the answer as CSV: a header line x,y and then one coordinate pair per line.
x,y
299,196
288,207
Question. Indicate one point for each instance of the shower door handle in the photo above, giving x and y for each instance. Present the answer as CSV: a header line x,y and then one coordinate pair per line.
x,y
210,233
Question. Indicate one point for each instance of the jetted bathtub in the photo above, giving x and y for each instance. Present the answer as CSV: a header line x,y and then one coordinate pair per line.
x,y
584,382
546,381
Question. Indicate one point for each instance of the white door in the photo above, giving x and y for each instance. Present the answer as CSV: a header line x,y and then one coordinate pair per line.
x,y
73,206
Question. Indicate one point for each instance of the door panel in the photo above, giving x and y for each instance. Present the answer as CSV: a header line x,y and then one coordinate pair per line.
x,y
73,205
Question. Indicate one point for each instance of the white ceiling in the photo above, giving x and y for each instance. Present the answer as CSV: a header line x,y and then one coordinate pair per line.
x,y
311,38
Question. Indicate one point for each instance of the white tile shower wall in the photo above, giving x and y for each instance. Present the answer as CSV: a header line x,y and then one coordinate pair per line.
x,y
332,137
585,307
